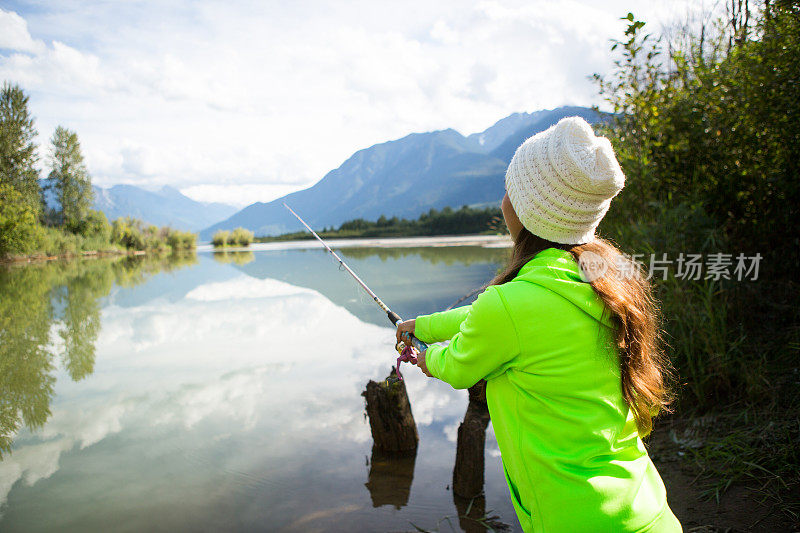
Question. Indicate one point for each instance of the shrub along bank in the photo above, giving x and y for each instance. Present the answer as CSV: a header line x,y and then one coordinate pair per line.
x,y
707,130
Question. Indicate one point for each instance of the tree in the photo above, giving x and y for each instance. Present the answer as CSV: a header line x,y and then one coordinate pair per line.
x,y
69,178
18,156
95,225
18,226
713,122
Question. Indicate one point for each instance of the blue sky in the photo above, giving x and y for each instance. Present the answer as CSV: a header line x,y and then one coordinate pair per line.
x,y
243,101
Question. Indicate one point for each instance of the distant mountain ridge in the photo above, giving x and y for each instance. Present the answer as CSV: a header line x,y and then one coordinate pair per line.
x,y
164,207
493,136
406,177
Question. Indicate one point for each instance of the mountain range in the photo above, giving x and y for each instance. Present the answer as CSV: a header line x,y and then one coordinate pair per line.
x,y
406,177
164,207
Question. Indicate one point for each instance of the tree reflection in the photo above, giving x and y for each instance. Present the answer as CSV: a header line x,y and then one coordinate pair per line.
x,y
448,255
237,257
64,298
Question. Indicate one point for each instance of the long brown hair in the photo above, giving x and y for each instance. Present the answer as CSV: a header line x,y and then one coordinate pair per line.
x,y
628,296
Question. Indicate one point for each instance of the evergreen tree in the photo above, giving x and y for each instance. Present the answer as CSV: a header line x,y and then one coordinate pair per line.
x,y
18,156
70,179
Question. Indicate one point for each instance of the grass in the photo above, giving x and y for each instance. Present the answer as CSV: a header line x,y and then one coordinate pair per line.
x,y
754,446
735,346
55,241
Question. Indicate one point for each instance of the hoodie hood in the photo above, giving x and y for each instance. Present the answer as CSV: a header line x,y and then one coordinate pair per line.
x,y
558,271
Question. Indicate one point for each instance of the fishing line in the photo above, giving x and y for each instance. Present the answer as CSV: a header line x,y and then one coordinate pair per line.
x,y
407,347
473,292
358,295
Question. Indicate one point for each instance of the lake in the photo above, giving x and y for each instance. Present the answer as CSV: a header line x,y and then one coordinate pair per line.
x,y
222,391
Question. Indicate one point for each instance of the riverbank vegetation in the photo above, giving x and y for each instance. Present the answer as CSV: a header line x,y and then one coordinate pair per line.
x,y
448,221
237,237
53,216
707,130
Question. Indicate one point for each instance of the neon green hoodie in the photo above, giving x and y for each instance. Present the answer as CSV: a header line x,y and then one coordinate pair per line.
x,y
572,456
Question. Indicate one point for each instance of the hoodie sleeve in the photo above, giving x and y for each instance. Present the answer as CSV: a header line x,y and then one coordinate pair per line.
x,y
442,326
484,347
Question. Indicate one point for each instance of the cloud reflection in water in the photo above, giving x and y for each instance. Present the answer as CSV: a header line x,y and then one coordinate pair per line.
x,y
237,404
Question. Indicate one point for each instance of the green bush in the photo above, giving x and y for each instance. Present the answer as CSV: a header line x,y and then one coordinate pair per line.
x,y
706,133
179,240
220,238
241,237
19,229
55,241
237,237
127,232
95,225
715,122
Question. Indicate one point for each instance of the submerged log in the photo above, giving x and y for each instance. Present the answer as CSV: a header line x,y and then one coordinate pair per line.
x,y
468,473
390,418
390,477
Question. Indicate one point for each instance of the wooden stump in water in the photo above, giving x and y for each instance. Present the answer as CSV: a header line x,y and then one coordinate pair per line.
x,y
469,468
390,418
390,477
473,518
470,513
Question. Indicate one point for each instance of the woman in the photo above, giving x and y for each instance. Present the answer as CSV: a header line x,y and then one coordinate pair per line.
x,y
570,355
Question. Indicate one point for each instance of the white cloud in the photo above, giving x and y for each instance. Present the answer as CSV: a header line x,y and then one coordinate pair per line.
x,y
244,288
245,101
235,358
31,463
14,34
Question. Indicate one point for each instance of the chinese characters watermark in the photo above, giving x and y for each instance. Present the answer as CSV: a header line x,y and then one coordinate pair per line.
x,y
694,267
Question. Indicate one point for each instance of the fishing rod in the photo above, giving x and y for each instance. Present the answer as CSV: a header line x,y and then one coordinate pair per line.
x,y
403,348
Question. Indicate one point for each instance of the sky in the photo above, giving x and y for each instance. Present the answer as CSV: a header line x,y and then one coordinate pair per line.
x,y
244,101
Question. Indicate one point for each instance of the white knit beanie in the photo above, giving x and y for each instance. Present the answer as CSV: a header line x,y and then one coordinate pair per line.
x,y
561,181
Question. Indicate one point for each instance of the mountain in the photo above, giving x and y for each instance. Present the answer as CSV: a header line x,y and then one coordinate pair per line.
x,y
405,177
164,207
540,121
492,137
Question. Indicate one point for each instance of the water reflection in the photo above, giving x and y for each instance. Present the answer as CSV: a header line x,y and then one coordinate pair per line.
x,y
236,257
50,312
223,401
447,255
390,477
412,281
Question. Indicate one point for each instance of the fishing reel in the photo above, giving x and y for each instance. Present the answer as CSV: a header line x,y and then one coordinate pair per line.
x,y
408,354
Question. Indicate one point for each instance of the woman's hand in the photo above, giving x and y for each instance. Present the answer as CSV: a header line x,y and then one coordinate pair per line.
x,y
422,366
403,330
406,326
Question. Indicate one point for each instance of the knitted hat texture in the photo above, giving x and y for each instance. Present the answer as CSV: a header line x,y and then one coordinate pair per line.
x,y
561,181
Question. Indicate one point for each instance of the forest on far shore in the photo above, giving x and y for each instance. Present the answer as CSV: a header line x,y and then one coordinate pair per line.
x,y
448,221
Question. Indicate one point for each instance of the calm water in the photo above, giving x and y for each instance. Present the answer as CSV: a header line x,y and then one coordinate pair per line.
x,y
222,391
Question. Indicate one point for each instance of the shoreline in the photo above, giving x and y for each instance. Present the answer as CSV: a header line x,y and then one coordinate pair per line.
x,y
86,254
485,241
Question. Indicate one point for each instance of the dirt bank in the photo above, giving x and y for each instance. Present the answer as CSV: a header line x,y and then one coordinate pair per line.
x,y
742,507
